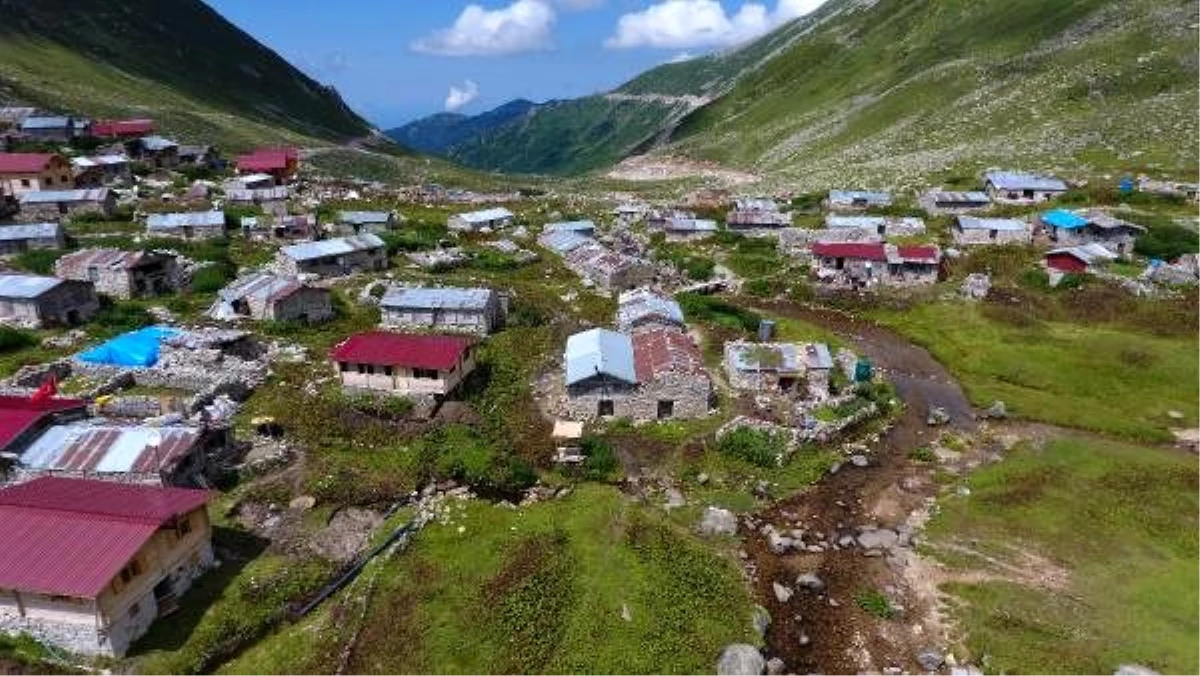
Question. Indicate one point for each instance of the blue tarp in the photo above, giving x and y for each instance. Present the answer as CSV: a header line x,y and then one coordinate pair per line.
x,y
1060,218
136,348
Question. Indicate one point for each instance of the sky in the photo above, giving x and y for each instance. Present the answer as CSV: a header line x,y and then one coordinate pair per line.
x,y
399,60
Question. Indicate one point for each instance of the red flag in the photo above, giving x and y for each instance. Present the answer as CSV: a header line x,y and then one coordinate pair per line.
x,y
48,389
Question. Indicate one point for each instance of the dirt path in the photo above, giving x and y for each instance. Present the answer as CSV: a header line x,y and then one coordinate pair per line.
x,y
828,632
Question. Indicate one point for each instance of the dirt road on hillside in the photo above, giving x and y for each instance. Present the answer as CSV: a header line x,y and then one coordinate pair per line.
x,y
826,630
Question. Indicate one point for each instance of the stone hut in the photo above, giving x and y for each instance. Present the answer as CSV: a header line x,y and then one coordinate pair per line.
x,y
122,274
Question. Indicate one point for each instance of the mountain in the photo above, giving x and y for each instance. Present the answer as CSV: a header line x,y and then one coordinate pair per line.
x,y
179,61
439,133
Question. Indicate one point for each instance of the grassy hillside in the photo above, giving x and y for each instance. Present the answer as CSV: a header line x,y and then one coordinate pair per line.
x,y
441,132
179,62
901,90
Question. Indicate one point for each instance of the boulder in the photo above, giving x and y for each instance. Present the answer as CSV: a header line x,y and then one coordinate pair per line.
x,y
779,544
997,410
967,670
303,503
1134,670
881,538
782,592
776,667
930,659
810,582
937,416
740,659
760,619
718,521
858,460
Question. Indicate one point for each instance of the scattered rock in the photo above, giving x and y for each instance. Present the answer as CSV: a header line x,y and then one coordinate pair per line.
x,y
1134,670
760,619
782,593
702,478
625,614
937,416
779,544
881,538
1175,415
776,666
740,659
718,521
967,670
674,499
810,582
930,659
858,460
303,503
762,489
804,640
997,410
833,469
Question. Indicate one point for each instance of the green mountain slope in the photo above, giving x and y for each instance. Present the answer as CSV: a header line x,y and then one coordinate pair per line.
x,y
177,61
899,90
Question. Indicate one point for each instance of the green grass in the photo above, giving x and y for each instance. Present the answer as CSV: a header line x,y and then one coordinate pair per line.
x,y
874,603
536,590
1120,519
1093,377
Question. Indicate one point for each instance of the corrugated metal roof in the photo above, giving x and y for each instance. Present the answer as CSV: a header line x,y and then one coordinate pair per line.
x,y
402,349
18,414
337,246
772,357
265,286
665,351
873,198
24,163
1002,224
816,356
106,258
485,215
46,122
581,227
26,286
10,233
564,242
1012,180
436,298
599,351
872,251
950,197
156,143
690,225
97,447
280,192
755,204
1088,253
56,196
193,219
364,217
859,222
1107,221
1061,218
638,304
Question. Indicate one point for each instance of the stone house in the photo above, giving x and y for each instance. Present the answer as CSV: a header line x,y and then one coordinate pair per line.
x,y
563,242
884,226
364,222
334,257
1068,228
28,172
608,270
100,170
18,238
857,200
122,274
50,127
630,212
689,229
971,230
43,205
952,202
801,369
403,364
157,151
474,311
656,374
267,296
262,196
187,225
643,309
35,301
199,155
756,214
90,565
865,264
1020,188
291,227
492,219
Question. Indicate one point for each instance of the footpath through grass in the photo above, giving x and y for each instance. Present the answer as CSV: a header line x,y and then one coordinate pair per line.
x,y
1120,519
1088,376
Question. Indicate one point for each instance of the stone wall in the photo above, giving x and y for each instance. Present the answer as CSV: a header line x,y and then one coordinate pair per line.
x,y
691,397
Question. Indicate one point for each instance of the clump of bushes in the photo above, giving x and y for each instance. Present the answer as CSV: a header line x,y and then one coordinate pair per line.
x,y
13,339
600,461
757,447
875,603
711,309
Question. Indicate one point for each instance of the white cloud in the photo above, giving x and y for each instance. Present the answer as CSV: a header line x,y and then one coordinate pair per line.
x,y
461,96
684,24
681,57
523,26
577,5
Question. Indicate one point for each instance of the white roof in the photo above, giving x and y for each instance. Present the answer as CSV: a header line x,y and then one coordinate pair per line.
x,y
1002,224
599,351
437,298
9,233
331,247
486,215
195,219
26,286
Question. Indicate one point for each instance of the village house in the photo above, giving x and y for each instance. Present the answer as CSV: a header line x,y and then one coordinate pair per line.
x,y
491,219
630,212
475,311
787,368
1189,191
291,227
121,129
657,374
27,172
689,229
643,309
265,296
608,270
864,264
18,238
1068,228
563,242
1078,259
364,222
122,274
23,419
157,151
250,182
44,205
971,230
50,127
88,566
403,364
334,257
584,228
884,226
857,200
36,301
281,163
199,155
264,197
756,214
187,225
94,448
1018,188
100,170
949,202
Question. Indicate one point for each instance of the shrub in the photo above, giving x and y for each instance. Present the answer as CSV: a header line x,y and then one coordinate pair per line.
x,y
39,261
600,461
875,603
1167,241
13,339
117,316
709,308
922,454
757,447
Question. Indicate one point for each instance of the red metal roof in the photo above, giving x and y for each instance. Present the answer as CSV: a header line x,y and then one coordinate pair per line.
x,y
138,127
267,159
917,252
18,414
72,536
23,163
402,349
865,251
664,351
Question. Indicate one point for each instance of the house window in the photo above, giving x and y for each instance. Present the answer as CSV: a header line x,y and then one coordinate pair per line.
x,y
425,374
387,370
605,408
24,183
49,180
93,274
363,368
666,409
992,235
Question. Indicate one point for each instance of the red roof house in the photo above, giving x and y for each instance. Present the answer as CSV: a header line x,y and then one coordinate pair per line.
x,y
21,418
919,253
122,128
403,363
661,351
281,163
854,250
25,163
126,549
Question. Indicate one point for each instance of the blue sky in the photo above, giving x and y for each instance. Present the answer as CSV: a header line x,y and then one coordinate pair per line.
x,y
397,60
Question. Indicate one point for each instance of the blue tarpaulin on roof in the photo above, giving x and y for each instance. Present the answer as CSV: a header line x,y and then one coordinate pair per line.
x,y
136,348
